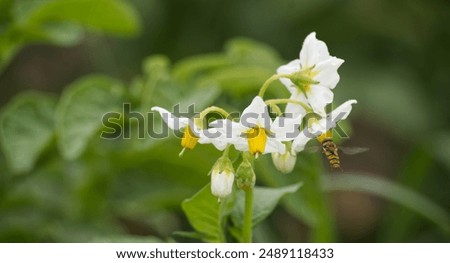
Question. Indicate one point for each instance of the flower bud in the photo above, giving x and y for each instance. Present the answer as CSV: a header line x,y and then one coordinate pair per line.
x,y
245,175
222,177
284,163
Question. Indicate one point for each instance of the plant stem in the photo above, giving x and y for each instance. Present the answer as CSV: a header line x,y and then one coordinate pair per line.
x,y
285,101
219,110
277,109
270,80
248,214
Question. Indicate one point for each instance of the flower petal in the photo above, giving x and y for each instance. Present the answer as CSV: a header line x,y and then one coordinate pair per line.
x,y
285,129
229,129
241,144
340,113
231,132
174,123
294,110
317,128
313,51
256,114
327,74
213,136
274,146
300,141
222,183
319,97
289,68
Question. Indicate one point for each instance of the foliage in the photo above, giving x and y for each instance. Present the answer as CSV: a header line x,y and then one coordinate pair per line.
x,y
60,22
60,182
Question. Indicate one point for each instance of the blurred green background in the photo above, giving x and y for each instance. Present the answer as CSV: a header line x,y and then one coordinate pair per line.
x,y
60,183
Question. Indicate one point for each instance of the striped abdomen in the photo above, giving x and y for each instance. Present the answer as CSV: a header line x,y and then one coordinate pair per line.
x,y
330,150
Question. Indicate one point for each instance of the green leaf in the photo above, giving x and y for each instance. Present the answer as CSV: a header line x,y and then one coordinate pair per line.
x,y
207,215
80,111
249,52
264,202
26,129
161,89
64,34
391,191
238,79
191,67
244,68
60,22
111,16
201,97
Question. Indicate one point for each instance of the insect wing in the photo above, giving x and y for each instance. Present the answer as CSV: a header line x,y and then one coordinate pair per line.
x,y
353,150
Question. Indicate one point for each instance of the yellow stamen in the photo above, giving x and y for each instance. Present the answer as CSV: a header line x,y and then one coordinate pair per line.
x,y
257,139
189,139
324,136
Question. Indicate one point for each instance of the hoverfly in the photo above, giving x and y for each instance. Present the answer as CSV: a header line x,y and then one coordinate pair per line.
x,y
330,150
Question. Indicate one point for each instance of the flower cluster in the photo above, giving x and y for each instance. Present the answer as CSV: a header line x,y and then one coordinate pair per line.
x,y
310,80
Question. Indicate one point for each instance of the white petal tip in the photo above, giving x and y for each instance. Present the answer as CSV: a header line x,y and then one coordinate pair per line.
x,y
156,108
312,34
350,102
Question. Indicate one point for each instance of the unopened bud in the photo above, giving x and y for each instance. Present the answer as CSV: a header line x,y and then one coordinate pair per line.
x,y
222,177
284,163
245,175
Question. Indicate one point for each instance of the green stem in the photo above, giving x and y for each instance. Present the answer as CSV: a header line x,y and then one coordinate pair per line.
x,y
269,81
285,101
219,110
248,214
200,120
275,108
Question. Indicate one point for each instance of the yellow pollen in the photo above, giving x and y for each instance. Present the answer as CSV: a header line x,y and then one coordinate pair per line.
x,y
324,136
257,139
189,139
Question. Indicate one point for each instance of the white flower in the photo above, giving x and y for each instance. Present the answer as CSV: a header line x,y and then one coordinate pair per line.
x,y
319,127
192,134
213,136
174,123
284,163
256,132
314,75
